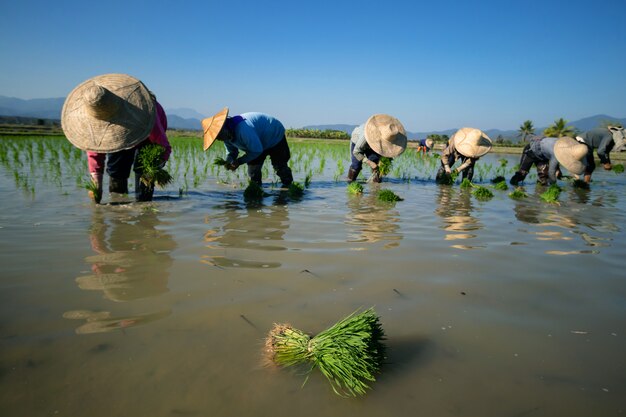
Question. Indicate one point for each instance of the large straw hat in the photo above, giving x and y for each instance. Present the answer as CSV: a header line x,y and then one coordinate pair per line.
x,y
429,143
385,135
212,126
471,143
108,113
570,154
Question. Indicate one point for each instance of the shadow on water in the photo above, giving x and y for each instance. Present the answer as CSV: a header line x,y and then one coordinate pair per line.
x,y
131,261
405,354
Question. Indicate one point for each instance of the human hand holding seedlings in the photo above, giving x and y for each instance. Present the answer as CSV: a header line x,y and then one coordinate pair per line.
x,y
371,164
607,166
232,167
447,169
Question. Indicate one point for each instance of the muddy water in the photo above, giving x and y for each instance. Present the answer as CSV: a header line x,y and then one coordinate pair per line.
x,y
496,308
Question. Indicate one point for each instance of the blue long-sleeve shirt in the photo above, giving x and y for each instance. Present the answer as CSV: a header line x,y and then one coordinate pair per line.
x,y
253,135
601,139
544,149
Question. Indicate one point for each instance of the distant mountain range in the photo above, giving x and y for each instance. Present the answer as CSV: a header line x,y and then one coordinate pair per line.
x,y
189,119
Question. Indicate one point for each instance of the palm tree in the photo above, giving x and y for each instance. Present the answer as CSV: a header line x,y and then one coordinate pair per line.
x,y
559,129
526,129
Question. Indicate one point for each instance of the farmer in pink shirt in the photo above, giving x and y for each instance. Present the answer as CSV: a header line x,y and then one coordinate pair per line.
x,y
112,117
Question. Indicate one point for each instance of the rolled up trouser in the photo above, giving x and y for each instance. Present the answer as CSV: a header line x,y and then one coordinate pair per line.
x,y
353,174
255,173
142,191
285,175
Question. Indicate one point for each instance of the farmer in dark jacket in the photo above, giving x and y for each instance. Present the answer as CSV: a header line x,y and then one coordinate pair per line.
x,y
604,139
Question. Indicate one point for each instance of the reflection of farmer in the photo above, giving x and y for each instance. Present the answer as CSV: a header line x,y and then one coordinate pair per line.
x,y
112,116
254,230
373,223
455,209
467,145
547,154
381,135
256,134
604,139
425,145
132,258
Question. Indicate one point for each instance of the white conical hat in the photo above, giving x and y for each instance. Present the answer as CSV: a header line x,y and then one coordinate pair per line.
x,y
108,113
385,135
471,142
570,153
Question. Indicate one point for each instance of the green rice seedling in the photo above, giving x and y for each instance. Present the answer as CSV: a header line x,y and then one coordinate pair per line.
x,y
466,183
253,192
355,188
384,165
448,179
498,179
220,162
580,184
518,194
307,180
150,160
388,196
618,168
349,354
482,193
552,194
94,193
501,186
296,190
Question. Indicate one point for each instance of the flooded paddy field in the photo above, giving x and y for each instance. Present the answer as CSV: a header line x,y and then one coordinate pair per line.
x,y
495,307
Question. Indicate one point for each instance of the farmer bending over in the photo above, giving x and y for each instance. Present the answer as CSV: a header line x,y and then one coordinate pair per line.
x,y
467,145
604,139
547,154
112,117
381,135
256,134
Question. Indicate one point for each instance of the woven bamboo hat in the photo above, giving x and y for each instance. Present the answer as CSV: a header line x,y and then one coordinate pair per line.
x,y
212,126
385,135
570,153
108,113
429,143
471,142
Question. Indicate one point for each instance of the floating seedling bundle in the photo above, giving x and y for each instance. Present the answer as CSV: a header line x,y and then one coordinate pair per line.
x,y
355,188
482,193
518,194
618,168
150,160
552,194
388,196
349,353
296,190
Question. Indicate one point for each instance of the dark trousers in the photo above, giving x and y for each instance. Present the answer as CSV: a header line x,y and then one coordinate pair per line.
x,y
119,165
279,156
526,163
357,165
467,172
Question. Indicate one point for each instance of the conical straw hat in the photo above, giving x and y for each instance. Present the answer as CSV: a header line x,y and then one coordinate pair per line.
x,y
212,126
570,153
108,113
471,142
385,135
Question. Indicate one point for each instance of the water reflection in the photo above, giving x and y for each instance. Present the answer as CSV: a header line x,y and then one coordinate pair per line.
x,y
244,233
455,208
131,262
371,222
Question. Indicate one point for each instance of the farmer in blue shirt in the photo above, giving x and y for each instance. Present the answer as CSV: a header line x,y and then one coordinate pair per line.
x,y
257,135
547,154
604,139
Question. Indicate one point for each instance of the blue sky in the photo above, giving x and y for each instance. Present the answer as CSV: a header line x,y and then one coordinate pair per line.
x,y
434,65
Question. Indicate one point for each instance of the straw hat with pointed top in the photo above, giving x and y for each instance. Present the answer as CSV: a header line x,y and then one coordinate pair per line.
x,y
429,143
108,113
212,126
471,142
385,135
570,153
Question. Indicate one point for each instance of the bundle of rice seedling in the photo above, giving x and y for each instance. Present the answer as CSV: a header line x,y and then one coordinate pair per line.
x,y
447,179
384,165
498,179
253,191
94,192
355,188
296,190
618,168
552,194
348,354
501,186
518,194
150,160
219,161
388,196
580,184
482,193
466,183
